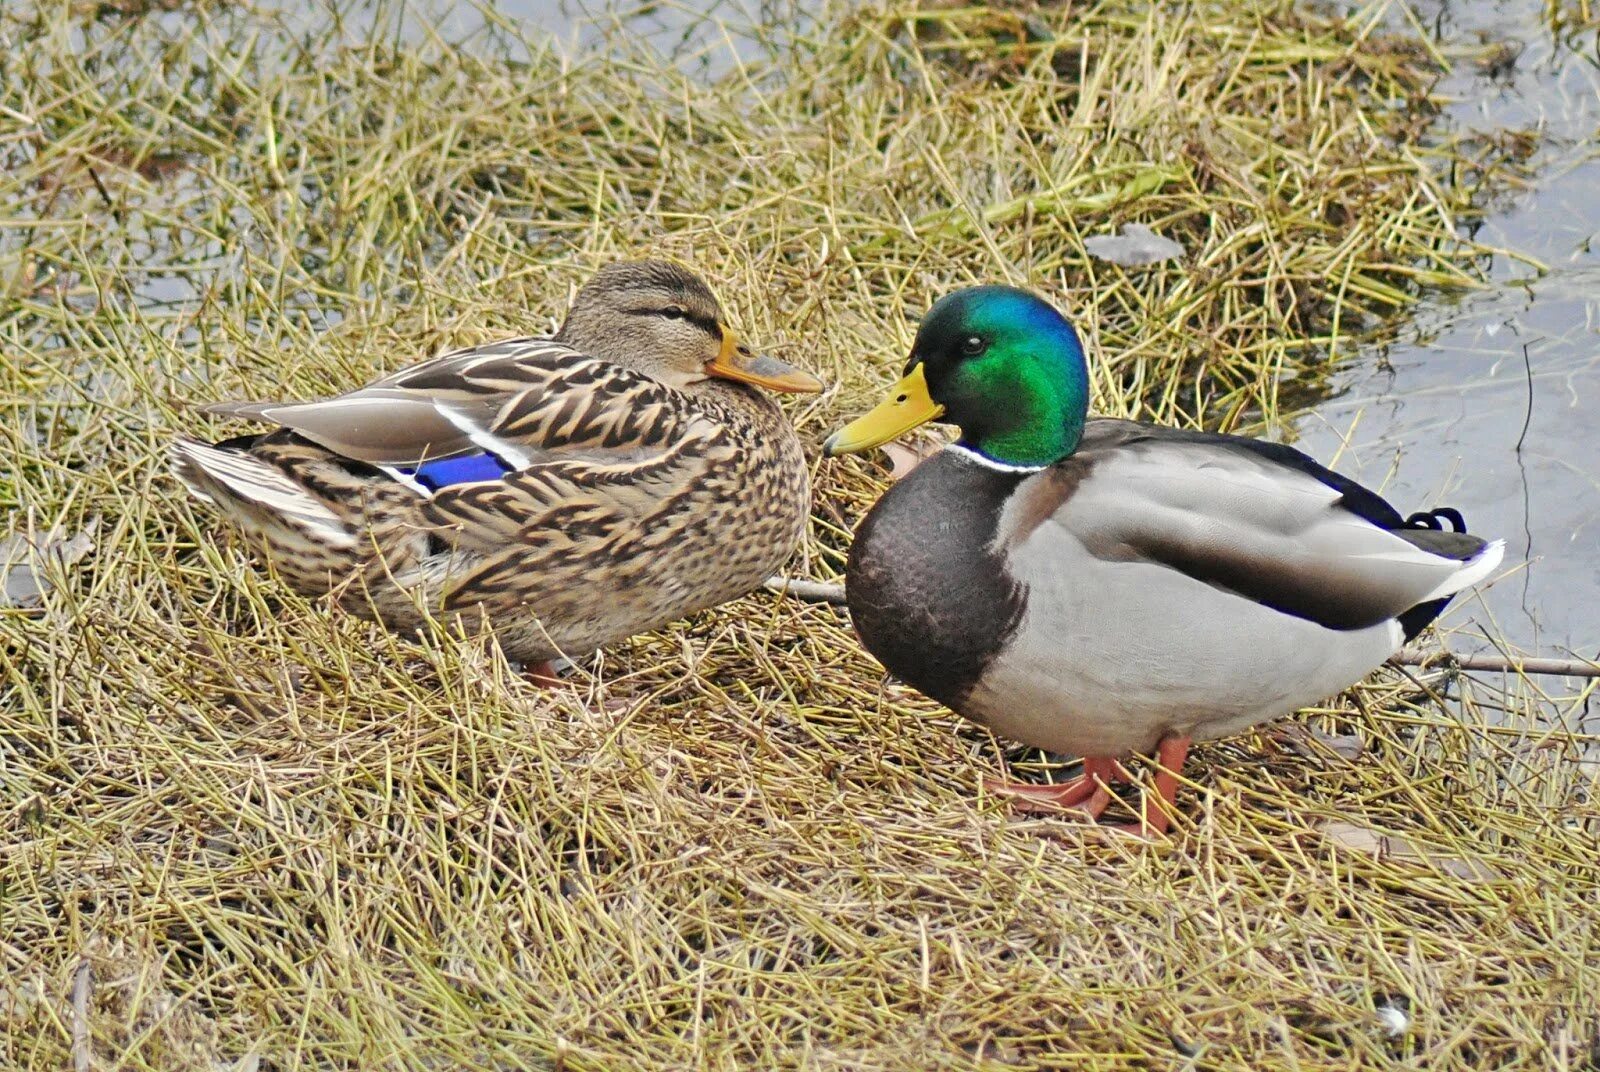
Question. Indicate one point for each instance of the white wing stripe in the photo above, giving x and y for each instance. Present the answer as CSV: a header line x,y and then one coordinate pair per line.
x,y
503,449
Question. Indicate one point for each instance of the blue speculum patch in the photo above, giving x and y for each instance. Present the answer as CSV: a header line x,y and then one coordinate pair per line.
x,y
463,469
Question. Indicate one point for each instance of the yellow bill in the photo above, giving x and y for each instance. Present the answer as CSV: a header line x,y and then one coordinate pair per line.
x,y
737,362
907,406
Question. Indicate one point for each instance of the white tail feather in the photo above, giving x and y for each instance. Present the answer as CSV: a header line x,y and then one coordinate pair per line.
x,y
1473,570
254,481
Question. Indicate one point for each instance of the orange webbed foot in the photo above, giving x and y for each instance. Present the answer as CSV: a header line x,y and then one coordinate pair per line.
x,y
1086,793
542,675
1090,794
1160,806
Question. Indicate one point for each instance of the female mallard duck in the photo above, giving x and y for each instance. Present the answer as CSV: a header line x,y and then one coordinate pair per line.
x,y
569,491
1101,587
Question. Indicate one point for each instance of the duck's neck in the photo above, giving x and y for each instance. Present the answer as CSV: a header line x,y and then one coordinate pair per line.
x,y
1040,420
749,404
979,458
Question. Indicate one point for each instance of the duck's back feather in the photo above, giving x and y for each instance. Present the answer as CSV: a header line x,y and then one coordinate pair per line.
x,y
1258,520
525,401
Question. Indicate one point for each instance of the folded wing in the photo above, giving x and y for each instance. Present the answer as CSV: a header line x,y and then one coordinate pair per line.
x,y
1266,525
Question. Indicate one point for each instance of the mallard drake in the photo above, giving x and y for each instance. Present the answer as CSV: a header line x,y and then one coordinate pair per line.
x,y
568,491
1103,587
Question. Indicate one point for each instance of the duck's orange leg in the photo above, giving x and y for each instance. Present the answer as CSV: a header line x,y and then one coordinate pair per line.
x,y
1086,792
542,674
1158,808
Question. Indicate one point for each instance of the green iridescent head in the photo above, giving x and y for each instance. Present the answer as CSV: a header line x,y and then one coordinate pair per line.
x,y
999,363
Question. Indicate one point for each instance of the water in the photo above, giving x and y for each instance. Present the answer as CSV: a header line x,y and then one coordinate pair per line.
x,y
704,39
1486,402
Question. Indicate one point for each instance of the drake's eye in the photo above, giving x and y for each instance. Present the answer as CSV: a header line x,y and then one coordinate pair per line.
x,y
674,312
972,345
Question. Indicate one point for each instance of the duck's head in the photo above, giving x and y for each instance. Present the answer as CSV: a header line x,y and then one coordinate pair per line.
x,y
661,319
999,363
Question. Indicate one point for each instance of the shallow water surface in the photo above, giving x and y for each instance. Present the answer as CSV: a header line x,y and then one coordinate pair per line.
x,y
1486,402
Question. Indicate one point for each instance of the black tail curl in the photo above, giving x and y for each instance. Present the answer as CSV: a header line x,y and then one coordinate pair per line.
x,y
1435,519
1417,618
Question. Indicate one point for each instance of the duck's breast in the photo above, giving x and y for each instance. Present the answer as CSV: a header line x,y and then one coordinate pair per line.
x,y
928,596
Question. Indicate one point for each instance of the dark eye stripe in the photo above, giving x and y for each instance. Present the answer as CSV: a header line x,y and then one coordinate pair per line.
x,y
707,324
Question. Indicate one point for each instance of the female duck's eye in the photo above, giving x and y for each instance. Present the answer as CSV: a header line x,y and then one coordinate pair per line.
x,y
674,312
972,345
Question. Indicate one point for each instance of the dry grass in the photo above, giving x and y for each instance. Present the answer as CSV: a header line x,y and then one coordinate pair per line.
x,y
243,832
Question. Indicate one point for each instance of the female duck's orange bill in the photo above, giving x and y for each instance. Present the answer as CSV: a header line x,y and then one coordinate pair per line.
x,y
736,362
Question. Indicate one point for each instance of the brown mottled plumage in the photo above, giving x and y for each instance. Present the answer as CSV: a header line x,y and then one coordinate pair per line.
x,y
630,480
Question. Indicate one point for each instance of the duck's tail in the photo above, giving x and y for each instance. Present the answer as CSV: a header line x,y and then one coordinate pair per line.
x,y
1483,562
257,493
1478,559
